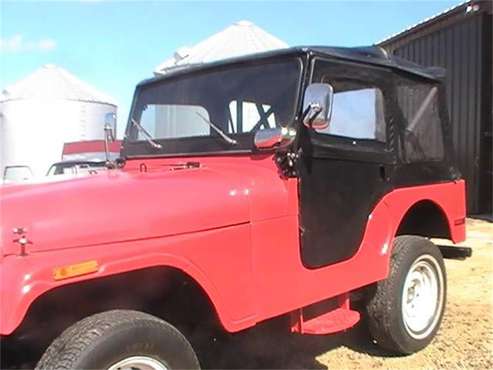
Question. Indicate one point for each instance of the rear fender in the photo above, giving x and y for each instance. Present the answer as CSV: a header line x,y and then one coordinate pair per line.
x,y
449,198
384,221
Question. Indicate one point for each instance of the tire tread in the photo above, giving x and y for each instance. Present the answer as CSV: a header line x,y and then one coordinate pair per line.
x,y
383,308
64,352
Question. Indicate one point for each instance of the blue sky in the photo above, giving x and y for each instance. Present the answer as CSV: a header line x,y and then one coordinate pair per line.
x,y
113,45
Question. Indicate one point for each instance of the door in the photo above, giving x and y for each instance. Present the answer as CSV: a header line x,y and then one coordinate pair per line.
x,y
345,169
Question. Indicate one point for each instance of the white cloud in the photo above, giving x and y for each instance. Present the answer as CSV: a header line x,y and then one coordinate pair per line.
x,y
17,44
46,44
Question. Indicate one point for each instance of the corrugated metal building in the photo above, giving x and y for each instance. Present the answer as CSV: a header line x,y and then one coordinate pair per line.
x,y
460,40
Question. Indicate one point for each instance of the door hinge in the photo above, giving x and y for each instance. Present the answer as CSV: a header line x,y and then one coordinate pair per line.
x,y
286,162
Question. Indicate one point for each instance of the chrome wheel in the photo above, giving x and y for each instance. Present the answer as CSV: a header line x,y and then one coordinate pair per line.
x,y
139,363
422,297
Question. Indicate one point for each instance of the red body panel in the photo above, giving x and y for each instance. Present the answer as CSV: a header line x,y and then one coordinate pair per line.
x,y
231,224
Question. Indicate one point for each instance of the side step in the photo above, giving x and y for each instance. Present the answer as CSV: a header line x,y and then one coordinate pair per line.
x,y
455,252
339,319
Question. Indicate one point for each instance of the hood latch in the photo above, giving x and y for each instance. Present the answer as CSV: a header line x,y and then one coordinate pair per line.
x,y
21,239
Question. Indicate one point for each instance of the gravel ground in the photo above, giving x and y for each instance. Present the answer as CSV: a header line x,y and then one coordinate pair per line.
x,y
465,340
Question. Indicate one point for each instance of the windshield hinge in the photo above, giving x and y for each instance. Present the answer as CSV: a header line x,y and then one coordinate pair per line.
x,y
287,163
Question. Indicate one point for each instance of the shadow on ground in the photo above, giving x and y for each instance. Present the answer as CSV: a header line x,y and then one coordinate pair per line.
x,y
271,346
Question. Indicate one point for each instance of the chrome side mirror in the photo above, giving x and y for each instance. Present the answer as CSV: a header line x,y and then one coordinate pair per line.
x,y
317,106
110,126
271,138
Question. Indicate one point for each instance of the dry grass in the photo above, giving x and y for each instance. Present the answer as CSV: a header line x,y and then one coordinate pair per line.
x,y
465,340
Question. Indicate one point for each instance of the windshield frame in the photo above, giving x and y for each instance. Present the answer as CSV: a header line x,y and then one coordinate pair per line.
x,y
140,148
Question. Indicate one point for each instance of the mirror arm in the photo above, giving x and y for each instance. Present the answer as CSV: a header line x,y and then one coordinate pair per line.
x,y
108,137
109,130
317,105
305,113
312,112
315,111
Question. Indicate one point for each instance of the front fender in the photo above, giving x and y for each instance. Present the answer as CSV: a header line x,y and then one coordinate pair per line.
x,y
26,278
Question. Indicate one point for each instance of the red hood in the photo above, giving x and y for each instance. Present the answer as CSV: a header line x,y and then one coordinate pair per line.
x,y
128,205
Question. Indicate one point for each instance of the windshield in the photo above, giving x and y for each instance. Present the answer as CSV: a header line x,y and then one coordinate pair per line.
x,y
213,110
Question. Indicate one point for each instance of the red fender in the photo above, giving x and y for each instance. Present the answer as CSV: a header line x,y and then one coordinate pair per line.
x,y
25,279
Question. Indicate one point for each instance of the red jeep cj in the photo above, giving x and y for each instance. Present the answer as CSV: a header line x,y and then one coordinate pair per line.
x,y
268,185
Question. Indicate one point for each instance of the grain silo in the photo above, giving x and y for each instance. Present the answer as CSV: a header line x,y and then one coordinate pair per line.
x,y
40,113
240,38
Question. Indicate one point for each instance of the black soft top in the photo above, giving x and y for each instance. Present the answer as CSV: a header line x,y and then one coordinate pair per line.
x,y
378,56
367,54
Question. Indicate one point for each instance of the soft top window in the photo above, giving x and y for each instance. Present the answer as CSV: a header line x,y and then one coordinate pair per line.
x,y
421,136
358,110
357,114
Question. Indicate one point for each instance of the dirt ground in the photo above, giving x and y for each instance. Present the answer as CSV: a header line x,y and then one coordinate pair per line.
x,y
465,340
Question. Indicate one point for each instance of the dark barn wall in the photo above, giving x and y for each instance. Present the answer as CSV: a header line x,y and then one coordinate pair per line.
x,y
461,42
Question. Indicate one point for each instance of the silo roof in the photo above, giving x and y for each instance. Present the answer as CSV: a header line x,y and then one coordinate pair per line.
x,y
53,82
240,38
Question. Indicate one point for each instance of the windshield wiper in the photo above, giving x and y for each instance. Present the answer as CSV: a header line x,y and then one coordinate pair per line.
x,y
148,136
218,130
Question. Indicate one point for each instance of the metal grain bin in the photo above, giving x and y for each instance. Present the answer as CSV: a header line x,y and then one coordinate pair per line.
x,y
40,113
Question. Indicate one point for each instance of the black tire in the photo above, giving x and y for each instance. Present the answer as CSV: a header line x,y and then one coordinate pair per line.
x,y
104,339
389,326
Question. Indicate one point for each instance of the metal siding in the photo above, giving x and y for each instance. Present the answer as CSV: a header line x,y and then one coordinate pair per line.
x,y
457,46
486,141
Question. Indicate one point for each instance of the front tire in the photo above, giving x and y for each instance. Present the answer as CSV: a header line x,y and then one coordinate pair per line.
x,y
407,308
120,340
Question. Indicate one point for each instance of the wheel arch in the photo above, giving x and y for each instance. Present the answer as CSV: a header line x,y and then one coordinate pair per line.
x,y
181,300
41,288
425,217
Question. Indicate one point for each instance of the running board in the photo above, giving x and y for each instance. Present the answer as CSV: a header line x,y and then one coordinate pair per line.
x,y
339,319
457,253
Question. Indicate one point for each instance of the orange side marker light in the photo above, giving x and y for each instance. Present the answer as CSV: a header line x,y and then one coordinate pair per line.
x,y
460,221
69,271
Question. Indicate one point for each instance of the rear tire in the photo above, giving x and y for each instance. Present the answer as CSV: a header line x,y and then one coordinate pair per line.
x,y
120,339
406,309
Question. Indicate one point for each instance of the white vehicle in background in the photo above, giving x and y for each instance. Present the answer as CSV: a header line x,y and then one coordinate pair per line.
x,y
18,173
76,168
